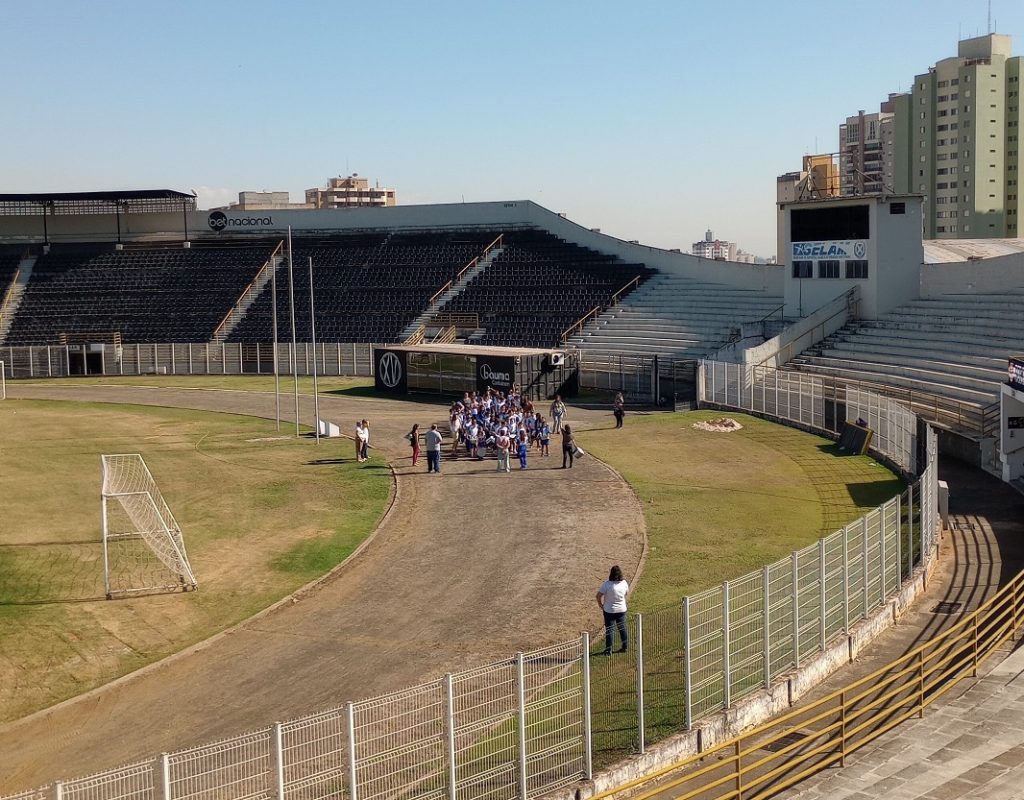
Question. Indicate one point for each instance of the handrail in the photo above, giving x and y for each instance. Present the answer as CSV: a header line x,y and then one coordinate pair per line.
x,y
771,314
990,419
618,295
806,740
960,415
9,296
457,320
785,352
458,277
578,324
416,336
247,289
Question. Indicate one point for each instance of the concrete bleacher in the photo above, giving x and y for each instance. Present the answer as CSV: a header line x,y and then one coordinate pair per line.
x,y
675,317
955,347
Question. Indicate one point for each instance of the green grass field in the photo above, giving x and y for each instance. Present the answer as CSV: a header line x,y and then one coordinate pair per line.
x,y
261,516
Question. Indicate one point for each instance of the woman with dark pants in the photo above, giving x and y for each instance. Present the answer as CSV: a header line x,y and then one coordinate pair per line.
x,y
568,446
414,438
611,598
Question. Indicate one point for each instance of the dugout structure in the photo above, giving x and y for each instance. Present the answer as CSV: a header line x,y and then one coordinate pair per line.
x,y
447,369
143,549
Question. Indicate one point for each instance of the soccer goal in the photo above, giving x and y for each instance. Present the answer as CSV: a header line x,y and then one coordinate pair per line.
x,y
143,550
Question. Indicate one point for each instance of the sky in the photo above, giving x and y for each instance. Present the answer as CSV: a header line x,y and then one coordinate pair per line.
x,y
650,120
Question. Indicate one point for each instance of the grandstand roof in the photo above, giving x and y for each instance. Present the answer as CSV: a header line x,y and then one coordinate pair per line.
x,y
110,197
136,200
947,251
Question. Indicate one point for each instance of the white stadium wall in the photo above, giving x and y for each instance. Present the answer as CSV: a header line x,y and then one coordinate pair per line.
x,y
275,222
973,277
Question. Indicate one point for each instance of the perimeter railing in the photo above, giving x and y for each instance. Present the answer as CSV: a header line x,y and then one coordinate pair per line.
x,y
822,734
535,722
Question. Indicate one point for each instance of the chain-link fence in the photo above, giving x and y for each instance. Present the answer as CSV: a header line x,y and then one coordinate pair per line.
x,y
538,721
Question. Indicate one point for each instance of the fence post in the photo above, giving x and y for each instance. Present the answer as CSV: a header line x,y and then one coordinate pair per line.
x,y
726,670
822,600
350,724
687,693
206,353
920,684
588,725
190,358
277,761
846,579
766,624
162,777
867,577
796,609
882,592
638,646
449,729
521,715
57,791
899,540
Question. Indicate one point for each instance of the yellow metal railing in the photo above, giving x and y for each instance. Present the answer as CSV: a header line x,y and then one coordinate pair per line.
x,y
778,754
416,336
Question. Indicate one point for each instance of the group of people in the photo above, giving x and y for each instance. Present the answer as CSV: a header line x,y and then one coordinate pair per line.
x,y
507,426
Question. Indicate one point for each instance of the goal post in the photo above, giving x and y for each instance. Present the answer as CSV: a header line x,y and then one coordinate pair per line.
x,y
3,381
143,548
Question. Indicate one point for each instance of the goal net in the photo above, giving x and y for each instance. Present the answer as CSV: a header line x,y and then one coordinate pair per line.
x,y
143,550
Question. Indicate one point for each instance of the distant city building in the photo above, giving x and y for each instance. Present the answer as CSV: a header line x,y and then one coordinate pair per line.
x,y
259,201
954,138
818,179
349,192
710,247
867,152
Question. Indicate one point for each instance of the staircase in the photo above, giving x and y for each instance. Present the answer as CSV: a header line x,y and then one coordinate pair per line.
x,y
249,295
453,289
12,298
674,316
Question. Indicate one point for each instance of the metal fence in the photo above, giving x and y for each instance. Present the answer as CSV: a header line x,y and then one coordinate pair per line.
x,y
227,358
813,402
653,380
524,726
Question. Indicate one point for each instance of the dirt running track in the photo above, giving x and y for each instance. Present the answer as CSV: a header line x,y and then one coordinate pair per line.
x,y
444,585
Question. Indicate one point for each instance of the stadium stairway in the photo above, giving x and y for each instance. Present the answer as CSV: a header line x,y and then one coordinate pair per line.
x,y
13,295
955,347
675,317
453,291
249,296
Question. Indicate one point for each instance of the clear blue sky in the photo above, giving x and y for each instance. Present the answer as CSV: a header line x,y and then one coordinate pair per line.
x,y
650,120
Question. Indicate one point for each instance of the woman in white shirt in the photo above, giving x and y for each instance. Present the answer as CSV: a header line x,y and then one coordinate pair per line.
x,y
611,598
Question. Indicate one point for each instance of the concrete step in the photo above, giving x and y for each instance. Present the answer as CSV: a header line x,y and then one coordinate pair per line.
x,y
980,392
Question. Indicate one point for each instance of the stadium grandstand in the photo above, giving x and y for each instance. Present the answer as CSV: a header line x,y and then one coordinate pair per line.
x,y
930,323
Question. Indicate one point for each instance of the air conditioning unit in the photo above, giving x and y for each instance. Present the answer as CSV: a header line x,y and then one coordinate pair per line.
x,y
556,359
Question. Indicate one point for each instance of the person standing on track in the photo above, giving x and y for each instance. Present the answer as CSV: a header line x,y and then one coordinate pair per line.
x,y
619,409
414,439
363,435
433,443
611,598
568,446
557,412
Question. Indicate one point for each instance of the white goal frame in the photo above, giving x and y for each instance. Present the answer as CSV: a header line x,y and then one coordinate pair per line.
x,y
127,481
3,381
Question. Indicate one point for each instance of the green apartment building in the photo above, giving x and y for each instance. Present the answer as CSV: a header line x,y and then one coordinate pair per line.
x,y
956,140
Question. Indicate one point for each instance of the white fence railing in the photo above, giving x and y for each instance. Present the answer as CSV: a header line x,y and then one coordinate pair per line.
x,y
227,358
814,402
522,727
